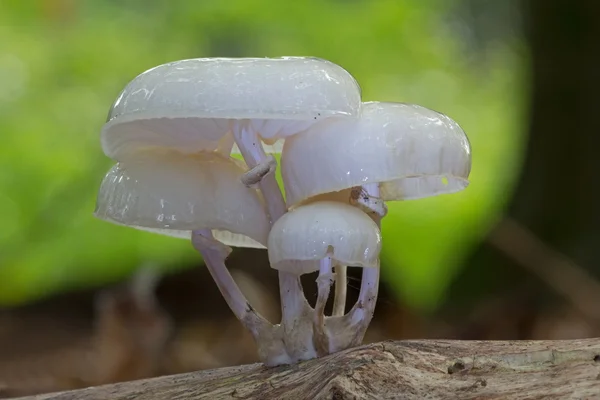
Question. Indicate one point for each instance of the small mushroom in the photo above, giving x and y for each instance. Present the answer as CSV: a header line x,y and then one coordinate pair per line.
x,y
173,194
315,236
323,229
189,104
409,151
392,152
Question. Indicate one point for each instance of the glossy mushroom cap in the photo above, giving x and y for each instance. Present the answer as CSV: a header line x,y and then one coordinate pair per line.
x,y
172,194
189,104
309,233
411,151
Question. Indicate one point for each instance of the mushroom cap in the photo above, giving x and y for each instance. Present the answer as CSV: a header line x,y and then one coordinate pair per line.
x,y
172,194
188,104
411,151
311,232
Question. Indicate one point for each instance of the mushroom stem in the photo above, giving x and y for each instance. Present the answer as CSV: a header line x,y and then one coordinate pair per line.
x,y
339,300
214,254
362,312
254,155
293,302
324,282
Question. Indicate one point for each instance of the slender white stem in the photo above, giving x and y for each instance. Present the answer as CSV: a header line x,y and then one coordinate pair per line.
x,y
341,287
324,286
251,148
324,281
363,310
214,254
367,298
290,290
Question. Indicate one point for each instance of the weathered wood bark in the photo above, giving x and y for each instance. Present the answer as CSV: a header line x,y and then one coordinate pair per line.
x,y
417,369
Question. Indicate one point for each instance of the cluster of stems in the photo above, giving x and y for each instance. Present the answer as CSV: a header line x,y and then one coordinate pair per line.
x,y
304,332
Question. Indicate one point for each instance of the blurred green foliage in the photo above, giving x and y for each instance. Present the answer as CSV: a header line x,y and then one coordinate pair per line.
x,y
62,63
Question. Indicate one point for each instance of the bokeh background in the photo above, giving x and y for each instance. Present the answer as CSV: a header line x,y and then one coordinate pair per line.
x,y
515,256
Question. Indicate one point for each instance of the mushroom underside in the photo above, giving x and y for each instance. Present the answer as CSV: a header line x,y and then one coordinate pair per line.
x,y
307,266
190,134
224,236
406,188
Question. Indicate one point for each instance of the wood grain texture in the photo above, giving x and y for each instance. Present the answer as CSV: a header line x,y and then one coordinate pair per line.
x,y
416,369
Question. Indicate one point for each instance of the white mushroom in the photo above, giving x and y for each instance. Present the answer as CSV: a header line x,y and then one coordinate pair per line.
x,y
173,128
318,235
392,152
173,194
409,151
325,229
189,104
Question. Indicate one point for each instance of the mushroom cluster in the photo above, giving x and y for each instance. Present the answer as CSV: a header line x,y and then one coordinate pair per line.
x,y
173,131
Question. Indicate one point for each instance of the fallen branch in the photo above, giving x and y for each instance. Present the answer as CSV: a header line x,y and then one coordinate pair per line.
x,y
416,369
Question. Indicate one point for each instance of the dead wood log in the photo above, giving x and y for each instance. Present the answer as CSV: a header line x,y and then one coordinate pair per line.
x,y
413,369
